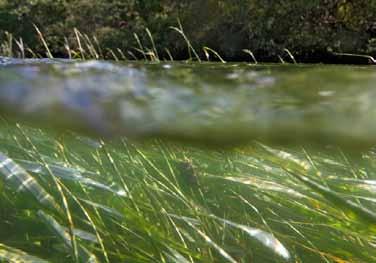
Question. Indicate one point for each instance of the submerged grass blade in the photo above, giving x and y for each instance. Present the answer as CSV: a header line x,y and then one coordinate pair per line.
x,y
58,186
351,209
25,182
63,234
300,170
176,257
265,238
68,173
13,255
211,242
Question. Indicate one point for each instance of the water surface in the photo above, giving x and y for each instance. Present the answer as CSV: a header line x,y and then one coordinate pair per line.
x,y
210,102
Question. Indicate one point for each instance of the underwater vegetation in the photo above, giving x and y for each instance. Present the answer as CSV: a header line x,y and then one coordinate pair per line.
x,y
69,198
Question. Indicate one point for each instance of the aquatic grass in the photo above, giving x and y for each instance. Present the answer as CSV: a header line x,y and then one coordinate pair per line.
x,y
290,55
58,185
65,236
78,39
154,49
152,53
10,254
67,48
112,54
370,59
21,47
23,181
7,45
206,51
43,40
191,49
90,46
140,46
163,201
133,56
169,55
86,47
122,55
249,52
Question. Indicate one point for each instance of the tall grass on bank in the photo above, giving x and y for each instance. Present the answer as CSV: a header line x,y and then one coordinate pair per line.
x,y
85,47
163,202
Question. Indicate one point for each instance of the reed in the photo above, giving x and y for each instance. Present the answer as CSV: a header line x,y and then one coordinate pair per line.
x,y
21,47
7,45
206,51
112,53
370,59
290,55
86,47
44,42
249,52
154,49
169,55
180,30
140,48
80,48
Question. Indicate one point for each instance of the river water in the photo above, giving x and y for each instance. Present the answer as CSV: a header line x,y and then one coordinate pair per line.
x,y
206,103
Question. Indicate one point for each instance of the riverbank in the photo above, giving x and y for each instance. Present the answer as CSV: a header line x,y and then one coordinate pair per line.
x,y
313,32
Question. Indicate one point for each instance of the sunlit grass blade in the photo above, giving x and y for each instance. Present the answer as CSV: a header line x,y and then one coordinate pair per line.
x,y
104,208
206,51
211,242
176,257
122,55
7,46
78,39
291,56
286,160
14,255
169,55
63,234
21,47
68,173
301,170
44,42
67,48
112,54
249,52
153,44
264,185
141,48
194,224
189,45
23,181
265,238
350,208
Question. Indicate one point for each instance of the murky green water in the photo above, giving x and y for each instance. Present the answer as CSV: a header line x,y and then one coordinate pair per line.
x,y
212,103
84,190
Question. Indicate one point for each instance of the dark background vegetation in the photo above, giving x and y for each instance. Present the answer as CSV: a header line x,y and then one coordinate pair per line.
x,y
309,29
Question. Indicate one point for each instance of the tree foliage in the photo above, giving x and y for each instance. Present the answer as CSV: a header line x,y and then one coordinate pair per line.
x,y
307,28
